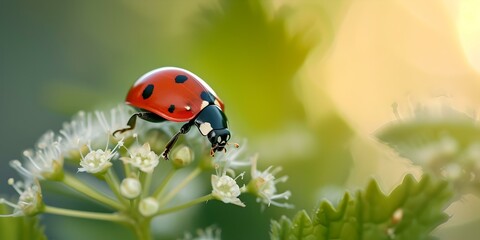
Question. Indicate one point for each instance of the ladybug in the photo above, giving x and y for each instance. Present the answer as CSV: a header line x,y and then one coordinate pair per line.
x,y
177,95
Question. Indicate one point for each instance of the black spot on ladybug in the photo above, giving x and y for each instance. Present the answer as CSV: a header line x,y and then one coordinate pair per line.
x,y
147,92
181,78
207,96
171,108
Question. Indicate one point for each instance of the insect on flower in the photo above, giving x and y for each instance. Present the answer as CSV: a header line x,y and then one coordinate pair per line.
x,y
175,94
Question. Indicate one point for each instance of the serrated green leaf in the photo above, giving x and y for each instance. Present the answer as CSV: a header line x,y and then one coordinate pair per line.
x,y
281,229
411,211
20,228
302,227
328,220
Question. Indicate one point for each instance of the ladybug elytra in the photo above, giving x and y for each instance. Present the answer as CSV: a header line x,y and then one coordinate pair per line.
x,y
175,94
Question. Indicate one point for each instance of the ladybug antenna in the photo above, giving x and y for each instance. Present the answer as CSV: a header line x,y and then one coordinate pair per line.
x,y
236,145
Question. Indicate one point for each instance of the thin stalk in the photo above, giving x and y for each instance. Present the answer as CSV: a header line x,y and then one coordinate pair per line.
x,y
113,183
142,230
128,169
180,186
91,192
114,217
158,192
185,205
146,180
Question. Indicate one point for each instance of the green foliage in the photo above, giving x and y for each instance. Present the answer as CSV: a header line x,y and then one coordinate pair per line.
x,y
255,57
20,228
408,137
446,145
411,211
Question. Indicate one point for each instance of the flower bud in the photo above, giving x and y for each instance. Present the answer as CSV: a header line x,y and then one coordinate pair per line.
x,y
183,157
148,206
130,188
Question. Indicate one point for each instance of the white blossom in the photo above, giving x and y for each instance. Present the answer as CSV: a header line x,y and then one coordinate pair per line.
x,y
226,190
86,129
78,132
98,161
30,199
46,161
142,158
263,185
115,119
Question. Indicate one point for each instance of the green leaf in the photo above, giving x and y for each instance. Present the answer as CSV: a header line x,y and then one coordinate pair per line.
x,y
20,228
444,145
411,211
409,137
280,229
302,227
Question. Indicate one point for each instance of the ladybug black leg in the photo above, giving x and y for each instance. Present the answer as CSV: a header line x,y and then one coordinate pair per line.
x,y
131,124
183,130
148,116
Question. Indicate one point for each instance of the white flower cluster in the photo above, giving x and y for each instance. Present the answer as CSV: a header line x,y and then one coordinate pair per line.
x,y
135,194
442,139
46,160
262,184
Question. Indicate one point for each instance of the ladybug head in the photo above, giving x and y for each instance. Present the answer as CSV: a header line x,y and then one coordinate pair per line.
x,y
219,138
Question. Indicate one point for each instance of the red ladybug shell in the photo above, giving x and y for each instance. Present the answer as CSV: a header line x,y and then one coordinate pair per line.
x,y
172,93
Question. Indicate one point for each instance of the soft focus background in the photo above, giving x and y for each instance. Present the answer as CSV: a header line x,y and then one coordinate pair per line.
x,y
307,82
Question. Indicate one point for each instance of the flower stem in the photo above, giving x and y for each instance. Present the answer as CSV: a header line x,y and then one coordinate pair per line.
x,y
158,192
114,217
180,186
128,169
142,230
146,180
113,183
87,190
185,205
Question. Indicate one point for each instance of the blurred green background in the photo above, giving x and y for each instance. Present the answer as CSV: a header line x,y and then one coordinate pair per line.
x,y
306,82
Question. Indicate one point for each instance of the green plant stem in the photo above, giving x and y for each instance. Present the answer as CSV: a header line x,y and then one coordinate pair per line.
x,y
142,230
128,169
158,192
113,183
146,180
180,186
87,190
185,205
114,217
